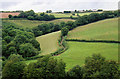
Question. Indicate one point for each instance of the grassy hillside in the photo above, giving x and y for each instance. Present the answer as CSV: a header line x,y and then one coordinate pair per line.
x,y
48,42
78,51
101,30
33,23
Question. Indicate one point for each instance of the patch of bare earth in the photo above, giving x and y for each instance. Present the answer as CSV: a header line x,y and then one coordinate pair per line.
x,y
5,15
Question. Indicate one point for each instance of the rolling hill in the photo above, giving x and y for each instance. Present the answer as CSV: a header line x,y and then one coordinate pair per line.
x,y
101,30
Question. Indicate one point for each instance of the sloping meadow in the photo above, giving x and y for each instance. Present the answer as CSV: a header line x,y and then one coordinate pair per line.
x,y
105,30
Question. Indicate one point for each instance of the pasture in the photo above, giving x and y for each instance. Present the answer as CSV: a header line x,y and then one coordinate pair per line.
x,y
102,30
49,42
32,23
78,51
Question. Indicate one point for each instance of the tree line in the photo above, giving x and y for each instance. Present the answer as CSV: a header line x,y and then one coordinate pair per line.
x,y
31,15
50,27
95,67
83,11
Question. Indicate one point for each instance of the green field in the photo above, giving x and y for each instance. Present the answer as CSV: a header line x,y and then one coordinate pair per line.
x,y
67,15
33,23
49,42
78,51
101,30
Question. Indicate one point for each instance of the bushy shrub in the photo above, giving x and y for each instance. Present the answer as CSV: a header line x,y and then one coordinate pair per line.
x,y
10,16
30,17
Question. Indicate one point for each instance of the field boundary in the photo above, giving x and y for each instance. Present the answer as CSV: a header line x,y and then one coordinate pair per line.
x,y
62,42
98,41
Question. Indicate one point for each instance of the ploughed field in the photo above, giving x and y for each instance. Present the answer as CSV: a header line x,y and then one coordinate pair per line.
x,y
5,15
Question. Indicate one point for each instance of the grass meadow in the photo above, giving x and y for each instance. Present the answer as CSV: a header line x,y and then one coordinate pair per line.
x,y
101,30
49,42
78,51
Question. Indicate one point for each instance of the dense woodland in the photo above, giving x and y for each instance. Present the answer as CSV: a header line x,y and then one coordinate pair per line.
x,y
19,44
18,41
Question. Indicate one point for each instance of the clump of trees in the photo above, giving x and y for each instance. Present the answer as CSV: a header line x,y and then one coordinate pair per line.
x,y
49,11
31,15
64,31
97,67
45,68
10,16
18,41
14,67
75,73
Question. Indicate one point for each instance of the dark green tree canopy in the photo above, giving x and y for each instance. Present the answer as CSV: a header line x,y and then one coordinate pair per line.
x,y
10,16
75,73
97,67
45,68
13,68
31,15
64,31
27,50
13,37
